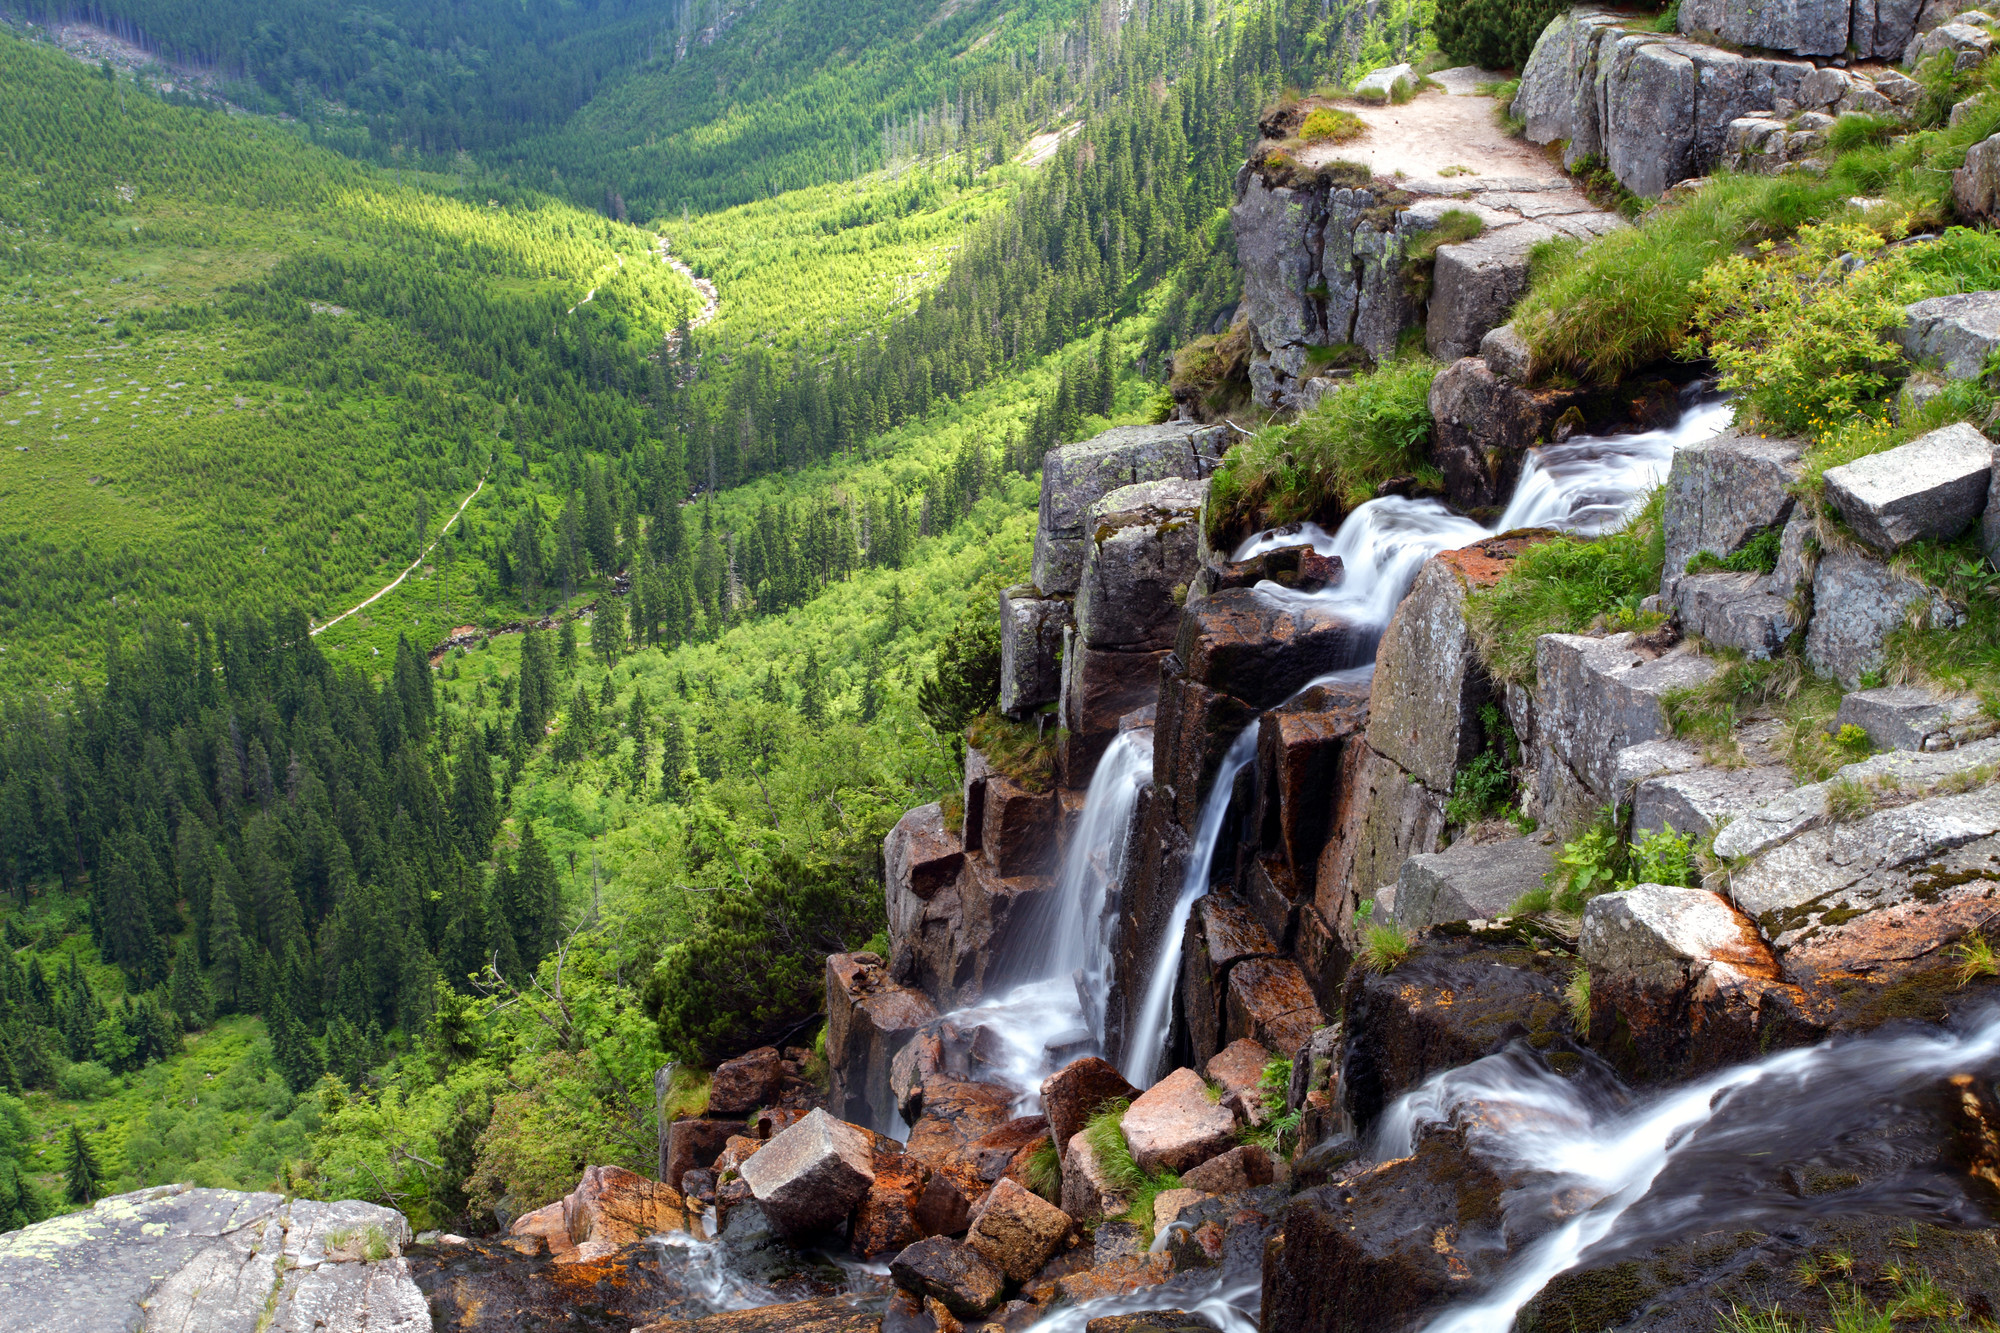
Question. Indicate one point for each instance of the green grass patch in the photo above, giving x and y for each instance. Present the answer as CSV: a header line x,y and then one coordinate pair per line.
x,y
1327,124
1333,458
1045,1170
1565,585
1384,947
1105,1134
1758,556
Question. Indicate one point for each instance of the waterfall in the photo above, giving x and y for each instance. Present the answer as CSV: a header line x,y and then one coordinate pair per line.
x,y
1063,1006
1520,1114
1149,1032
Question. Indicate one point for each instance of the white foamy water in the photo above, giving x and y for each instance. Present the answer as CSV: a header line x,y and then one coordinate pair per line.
x,y
1529,1117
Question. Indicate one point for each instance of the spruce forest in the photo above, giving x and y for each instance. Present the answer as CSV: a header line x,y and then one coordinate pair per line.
x,y
501,509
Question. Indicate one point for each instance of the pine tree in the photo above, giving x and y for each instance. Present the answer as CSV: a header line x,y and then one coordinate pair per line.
x,y
607,634
566,644
535,895
1107,382
673,758
187,990
82,1175
291,1049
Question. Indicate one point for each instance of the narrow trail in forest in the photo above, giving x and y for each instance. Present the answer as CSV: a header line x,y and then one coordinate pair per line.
x,y
390,586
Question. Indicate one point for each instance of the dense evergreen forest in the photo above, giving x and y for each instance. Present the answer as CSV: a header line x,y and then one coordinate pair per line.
x,y
311,900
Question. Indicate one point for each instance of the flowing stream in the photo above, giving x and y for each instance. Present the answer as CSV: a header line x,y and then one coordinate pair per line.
x,y
1701,1143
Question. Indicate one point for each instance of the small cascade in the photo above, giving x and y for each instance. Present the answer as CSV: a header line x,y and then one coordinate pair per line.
x,y
1697,1143
1587,485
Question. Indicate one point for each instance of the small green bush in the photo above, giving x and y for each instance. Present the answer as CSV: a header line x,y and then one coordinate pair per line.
x,y
1593,863
1492,34
1664,857
1758,556
84,1081
1485,785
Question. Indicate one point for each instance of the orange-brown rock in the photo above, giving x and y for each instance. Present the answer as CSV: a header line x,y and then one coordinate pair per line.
x,y
1018,828
822,1314
738,1150
1243,1167
1221,935
1017,1231
955,1115
749,1081
1270,1003
1238,1069
608,1210
1120,1277
543,1230
696,1143
887,1218
1078,1091
1261,650
1298,760
1174,1125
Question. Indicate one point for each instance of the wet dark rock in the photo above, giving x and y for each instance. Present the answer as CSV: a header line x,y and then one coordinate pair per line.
x,y
1261,650
825,1314
1269,1002
1297,567
696,1143
869,1017
1244,1167
1221,935
1151,1321
1453,1000
1017,834
1376,1251
1298,763
951,1271
889,1216
1017,1231
1483,428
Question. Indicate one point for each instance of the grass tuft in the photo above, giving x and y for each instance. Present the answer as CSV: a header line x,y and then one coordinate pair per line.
x,y
1975,958
1045,1170
1576,998
1384,947
1329,124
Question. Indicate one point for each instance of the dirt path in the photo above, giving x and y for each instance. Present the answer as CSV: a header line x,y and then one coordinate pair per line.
x,y
1435,133
390,586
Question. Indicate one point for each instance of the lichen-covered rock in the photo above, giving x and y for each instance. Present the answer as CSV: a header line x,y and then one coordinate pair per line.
x,y
1469,882
869,1018
612,1207
1968,44
1141,549
1076,476
1656,108
1654,923
1017,1231
1759,828
1269,1001
1975,189
1596,696
1423,709
1174,1125
1030,645
1802,27
952,1272
1701,799
811,1176
1722,492
1931,489
1735,611
175,1257
1508,355
1914,717
1858,601
1956,332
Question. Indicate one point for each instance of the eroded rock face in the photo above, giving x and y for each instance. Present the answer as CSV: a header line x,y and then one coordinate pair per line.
x,y
1453,1000
1377,1251
1913,717
1078,1091
1858,601
869,1018
1975,187
1482,428
1030,643
1076,476
174,1257
1469,882
1595,697
740,1086
1017,1231
812,1175
1931,489
1735,611
1959,331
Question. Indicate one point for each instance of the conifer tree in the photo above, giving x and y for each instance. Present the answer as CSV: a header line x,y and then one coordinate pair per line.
x,y
1107,382
82,1176
607,633
291,1049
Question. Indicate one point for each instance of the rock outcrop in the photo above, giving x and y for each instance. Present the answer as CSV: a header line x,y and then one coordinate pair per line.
x,y
223,1261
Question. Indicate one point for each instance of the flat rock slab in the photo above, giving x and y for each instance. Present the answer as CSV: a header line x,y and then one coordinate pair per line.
x,y
1656,923
1910,717
1031,628
951,1271
1137,564
221,1261
1931,489
1909,775
1957,332
1469,883
1598,696
1735,611
1697,802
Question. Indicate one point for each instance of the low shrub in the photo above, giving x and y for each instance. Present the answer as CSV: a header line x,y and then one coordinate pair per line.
x,y
1486,784
1373,428
1758,556
1328,124
1592,863
1492,34
1576,998
1664,857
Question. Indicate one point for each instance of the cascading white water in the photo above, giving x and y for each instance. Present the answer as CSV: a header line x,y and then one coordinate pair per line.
x,y
1072,972
1532,1118
1149,1029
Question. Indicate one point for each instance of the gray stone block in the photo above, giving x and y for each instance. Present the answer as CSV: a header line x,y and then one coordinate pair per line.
x,y
1469,883
810,1177
1475,284
1975,186
1857,603
1597,696
1735,611
1697,802
1649,759
1721,492
1031,629
1507,354
1957,332
1076,476
1141,549
1802,27
1930,489
1969,45
1428,684
1910,717
1655,923
1758,829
